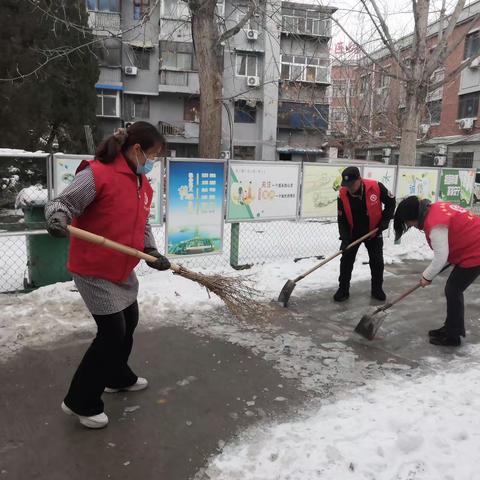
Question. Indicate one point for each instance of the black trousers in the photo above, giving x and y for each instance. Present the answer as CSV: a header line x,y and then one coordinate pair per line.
x,y
105,363
375,255
458,281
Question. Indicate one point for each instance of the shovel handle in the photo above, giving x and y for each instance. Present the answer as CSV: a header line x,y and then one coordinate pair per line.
x,y
119,247
321,264
405,294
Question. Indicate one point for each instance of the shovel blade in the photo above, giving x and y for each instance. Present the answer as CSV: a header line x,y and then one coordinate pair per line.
x,y
286,291
369,325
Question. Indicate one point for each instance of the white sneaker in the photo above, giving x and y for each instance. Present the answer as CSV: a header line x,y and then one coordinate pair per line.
x,y
140,384
95,421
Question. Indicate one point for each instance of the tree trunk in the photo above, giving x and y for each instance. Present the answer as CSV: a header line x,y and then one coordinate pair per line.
x,y
408,143
208,52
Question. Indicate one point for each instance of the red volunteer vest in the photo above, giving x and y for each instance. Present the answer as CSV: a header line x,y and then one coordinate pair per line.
x,y
374,204
463,232
119,212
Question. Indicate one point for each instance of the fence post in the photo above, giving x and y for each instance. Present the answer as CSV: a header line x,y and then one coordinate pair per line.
x,y
235,246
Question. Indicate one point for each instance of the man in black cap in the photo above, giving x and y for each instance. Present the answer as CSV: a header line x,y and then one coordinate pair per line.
x,y
453,233
359,212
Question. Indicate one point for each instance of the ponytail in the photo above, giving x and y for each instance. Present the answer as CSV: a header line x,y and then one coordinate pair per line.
x,y
143,133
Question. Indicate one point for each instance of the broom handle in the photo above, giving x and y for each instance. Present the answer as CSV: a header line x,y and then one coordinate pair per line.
x,y
119,247
321,264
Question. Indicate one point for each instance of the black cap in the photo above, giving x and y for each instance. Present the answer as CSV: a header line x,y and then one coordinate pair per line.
x,y
349,175
408,209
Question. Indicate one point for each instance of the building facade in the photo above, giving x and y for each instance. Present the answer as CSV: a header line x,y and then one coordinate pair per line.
x,y
276,75
367,106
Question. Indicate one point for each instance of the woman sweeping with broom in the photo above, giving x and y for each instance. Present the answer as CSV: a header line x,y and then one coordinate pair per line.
x,y
453,233
109,196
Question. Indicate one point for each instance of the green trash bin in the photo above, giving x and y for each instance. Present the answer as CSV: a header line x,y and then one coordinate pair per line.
x,y
46,256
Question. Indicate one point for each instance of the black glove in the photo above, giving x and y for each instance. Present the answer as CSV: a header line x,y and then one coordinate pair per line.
x,y
162,262
57,225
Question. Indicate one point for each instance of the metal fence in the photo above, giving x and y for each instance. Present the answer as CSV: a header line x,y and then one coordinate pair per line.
x,y
26,183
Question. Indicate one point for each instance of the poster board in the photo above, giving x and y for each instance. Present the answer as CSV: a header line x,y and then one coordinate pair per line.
x,y
383,174
422,182
456,186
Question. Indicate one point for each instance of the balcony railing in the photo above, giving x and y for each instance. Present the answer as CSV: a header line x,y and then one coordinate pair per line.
x,y
306,26
168,129
110,75
104,21
170,77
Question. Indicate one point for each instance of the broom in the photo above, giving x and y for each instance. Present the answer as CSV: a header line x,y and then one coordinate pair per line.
x,y
238,294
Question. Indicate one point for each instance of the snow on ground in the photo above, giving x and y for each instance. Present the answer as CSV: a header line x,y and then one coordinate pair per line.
x,y
57,310
425,428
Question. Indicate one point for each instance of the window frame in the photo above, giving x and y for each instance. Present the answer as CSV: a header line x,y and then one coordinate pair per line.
x,y
462,99
138,59
244,114
140,7
308,64
116,4
101,95
247,55
468,51
131,102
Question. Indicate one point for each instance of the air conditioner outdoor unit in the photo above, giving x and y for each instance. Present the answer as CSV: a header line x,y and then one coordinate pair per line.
x,y
173,153
441,149
225,154
253,81
424,128
466,123
386,152
131,70
439,161
252,34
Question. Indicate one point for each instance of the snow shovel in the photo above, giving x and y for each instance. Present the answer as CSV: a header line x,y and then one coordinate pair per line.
x,y
288,288
369,324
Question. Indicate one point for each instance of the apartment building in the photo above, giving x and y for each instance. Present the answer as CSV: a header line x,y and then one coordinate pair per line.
x,y
367,106
276,74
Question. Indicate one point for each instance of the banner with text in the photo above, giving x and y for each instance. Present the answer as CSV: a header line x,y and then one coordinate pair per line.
x,y
262,191
320,187
456,186
195,207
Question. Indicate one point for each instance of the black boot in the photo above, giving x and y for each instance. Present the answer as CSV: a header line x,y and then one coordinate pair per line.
x,y
341,295
438,332
378,293
446,341
442,332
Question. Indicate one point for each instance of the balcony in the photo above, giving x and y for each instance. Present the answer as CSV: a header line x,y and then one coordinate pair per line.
x,y
177,81
104,23
110,76
299,25
186,130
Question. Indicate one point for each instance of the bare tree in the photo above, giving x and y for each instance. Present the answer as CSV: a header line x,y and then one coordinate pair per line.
x,y
208,42
413,61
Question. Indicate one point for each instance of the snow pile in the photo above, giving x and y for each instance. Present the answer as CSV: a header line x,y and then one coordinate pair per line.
x,y
34,196
426,428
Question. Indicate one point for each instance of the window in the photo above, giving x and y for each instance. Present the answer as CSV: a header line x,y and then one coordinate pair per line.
x,y
468,105
108,52
104,5
191,109
137,106
304,69
245,113
309,22
177,56
427,159
244,153
300,116
383,81
338,115
141,58
462,160
339,89
175,9
140,8
364,83
108,103
434,111
472,44
246,65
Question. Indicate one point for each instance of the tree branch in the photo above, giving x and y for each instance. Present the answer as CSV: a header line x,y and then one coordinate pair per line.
x,y
234,30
